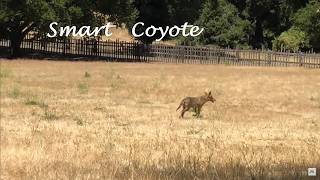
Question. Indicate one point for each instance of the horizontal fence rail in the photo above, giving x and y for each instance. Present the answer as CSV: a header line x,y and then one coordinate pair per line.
x,y
138,52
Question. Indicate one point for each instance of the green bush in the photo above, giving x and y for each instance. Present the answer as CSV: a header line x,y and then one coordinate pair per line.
x,y
291,40
83,88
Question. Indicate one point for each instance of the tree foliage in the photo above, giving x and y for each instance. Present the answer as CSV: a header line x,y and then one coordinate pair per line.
x,y
308,21
289,24
163,13
292,40
23,16
118,11
222,24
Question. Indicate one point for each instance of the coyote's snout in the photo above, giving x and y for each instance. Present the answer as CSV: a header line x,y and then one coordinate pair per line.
x,y
196,103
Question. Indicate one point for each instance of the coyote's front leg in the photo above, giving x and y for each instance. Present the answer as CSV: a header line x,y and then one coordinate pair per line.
x,y
195,110
198,111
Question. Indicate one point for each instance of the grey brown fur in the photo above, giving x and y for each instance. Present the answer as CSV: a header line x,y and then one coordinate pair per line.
x,y
196,103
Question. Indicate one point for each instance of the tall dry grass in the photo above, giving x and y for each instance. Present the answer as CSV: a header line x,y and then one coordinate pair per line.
x,y
96,120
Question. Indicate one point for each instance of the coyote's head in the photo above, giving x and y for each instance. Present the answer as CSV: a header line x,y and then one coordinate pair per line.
x,y
209,97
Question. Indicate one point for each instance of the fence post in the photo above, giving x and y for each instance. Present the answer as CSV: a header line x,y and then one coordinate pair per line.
x,y
269,57
96,48
207,56
218,55
10,48
183,54
237,55
64,46
32,46
301,60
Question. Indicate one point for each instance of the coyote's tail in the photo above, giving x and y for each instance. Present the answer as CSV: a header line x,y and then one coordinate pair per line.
x,y
179,106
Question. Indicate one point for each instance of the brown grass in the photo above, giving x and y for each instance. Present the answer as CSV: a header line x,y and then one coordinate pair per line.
x,y
96,120
119,33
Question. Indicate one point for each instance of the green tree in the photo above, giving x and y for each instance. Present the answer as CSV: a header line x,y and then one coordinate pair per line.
x,y
288,8
164,13
308,21
23,16
268,18
184,11
151,13
118,11
222,24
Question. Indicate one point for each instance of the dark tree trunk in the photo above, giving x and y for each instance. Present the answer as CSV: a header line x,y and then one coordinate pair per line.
x,y
15,46
258,35
15,38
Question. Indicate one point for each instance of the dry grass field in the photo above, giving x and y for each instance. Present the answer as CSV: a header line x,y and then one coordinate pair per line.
x,y
97,120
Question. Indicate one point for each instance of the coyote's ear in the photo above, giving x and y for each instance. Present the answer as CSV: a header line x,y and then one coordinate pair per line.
x,y
209,93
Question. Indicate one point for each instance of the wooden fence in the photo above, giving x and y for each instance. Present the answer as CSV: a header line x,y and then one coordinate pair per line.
x,y
138,52
111,50
214,55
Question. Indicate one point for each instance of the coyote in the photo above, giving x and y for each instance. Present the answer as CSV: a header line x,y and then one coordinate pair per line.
x,y
196,103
